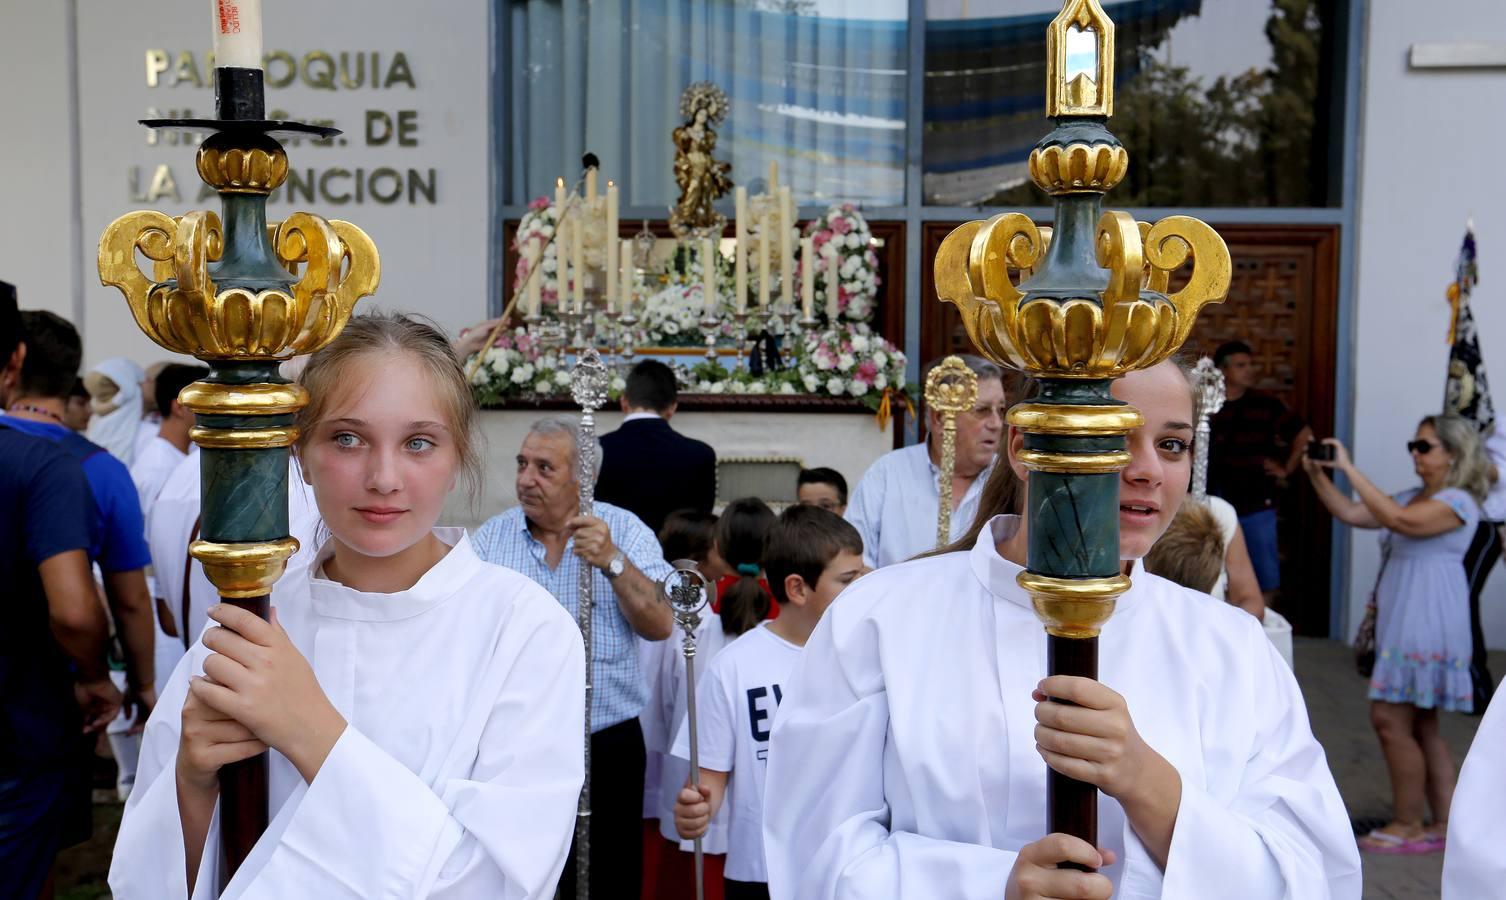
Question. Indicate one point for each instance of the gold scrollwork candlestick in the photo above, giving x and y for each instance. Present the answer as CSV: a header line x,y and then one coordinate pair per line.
x,y
951,389
241,294
1076,308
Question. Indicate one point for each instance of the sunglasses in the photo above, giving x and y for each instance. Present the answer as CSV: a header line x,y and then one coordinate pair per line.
x,y
1421,448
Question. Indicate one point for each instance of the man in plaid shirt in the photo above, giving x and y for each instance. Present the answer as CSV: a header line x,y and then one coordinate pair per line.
x,y
546,539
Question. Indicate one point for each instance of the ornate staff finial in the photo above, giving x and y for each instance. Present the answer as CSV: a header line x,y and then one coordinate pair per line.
x,y
1075,308
1207,398
951,389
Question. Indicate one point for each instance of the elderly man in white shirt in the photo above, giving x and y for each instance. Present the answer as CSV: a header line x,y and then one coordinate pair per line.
x,y
895,505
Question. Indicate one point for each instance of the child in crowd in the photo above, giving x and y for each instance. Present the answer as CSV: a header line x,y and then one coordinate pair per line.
x,y
742,599
688,535
822,487
810,556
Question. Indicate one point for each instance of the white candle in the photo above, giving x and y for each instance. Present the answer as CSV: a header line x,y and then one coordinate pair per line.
x,y
708,271
763,266
535,277
740,252
786,253
591,185
237,33
611,244
559,196
833,286
578,247
627,276
561,249
773,177
807,276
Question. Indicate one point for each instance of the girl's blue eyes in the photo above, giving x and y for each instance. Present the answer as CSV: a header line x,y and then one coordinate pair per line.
x,y
347,440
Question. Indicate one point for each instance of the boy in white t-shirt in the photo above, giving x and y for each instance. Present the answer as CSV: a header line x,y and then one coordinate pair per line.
x,y
809,556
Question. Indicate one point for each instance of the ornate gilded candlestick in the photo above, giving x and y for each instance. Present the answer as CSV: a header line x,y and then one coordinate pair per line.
x,y
742,335
589,382
241,294
709,324
1208,393
1089,307
951,389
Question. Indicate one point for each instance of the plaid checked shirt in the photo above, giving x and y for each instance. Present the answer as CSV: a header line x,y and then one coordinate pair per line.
x,y
618,687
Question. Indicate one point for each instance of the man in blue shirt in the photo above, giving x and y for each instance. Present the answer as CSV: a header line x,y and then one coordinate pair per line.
x,y
53,678
120,550
546,539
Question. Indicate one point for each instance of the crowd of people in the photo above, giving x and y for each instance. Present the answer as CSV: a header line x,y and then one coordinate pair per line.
x,y
873,716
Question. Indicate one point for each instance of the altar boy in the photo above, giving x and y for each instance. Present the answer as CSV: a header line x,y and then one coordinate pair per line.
x,y
809,556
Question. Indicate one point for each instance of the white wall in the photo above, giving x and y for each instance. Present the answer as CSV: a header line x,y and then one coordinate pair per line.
x,y
435,256
38,207
1429,141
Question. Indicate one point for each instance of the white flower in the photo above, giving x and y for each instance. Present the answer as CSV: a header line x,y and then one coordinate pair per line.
x,y
550,264
546,229
852,240
880,358
824,362
788,388
522,374
671,327
739,388
703,385
544,386
860,342
618,384
812,383
719,388
834,385
859,388
880,381
562,378
479,377
845,362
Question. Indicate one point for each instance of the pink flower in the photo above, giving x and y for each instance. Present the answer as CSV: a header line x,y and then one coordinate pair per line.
x,y
542,203
867,371
820,239
848,207
840,225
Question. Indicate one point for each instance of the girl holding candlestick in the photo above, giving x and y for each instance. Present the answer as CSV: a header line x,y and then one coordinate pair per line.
x,y
421,740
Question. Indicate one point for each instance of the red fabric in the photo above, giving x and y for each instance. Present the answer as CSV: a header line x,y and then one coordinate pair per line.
x,y
675,871
728,581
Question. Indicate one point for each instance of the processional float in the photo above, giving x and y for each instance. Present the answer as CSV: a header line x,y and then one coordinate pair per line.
x,y
241,294
1075,307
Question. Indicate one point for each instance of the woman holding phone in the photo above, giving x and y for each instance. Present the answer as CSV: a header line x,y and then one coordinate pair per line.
x,y
1422,637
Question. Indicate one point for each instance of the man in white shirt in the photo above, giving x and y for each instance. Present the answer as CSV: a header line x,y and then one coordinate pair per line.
x,y
896,503
156,458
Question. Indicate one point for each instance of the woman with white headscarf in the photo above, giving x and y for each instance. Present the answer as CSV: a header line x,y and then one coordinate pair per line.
x,y
115,385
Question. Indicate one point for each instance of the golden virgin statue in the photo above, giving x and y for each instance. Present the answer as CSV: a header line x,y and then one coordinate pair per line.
x,y
701,177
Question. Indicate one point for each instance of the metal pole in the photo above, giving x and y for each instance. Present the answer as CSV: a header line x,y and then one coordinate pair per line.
x,y
688,593
241,294
589,381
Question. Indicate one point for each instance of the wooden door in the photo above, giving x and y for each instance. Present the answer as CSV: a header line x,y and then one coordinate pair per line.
x,y
1283,302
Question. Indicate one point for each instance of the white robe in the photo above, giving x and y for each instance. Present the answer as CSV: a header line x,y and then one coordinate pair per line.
x,y
457,776
903,761
1473,866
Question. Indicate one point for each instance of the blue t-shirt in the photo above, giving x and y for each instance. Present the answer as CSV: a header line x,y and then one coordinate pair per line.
x,y
120,544
46,508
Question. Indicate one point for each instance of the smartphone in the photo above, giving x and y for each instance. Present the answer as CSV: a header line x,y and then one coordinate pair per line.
x,y
1319,451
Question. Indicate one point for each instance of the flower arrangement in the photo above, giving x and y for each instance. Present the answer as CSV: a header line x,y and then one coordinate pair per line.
x,y
541,221
518,366
843,230
849,361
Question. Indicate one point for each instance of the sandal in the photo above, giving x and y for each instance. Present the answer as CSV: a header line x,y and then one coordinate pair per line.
x,y
1383,842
